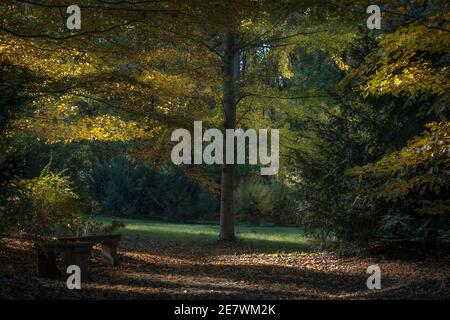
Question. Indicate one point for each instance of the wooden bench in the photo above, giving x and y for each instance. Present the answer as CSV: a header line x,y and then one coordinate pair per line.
x,y
108,243
72,253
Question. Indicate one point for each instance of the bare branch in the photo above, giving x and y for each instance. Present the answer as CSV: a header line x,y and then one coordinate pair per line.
x,y
289,97
50,37
276,39
108,6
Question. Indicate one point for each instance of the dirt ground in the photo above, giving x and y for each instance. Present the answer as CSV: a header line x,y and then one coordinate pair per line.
x,y
153,270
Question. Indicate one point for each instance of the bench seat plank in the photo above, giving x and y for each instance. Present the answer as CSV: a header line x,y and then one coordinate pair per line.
x,y
108,243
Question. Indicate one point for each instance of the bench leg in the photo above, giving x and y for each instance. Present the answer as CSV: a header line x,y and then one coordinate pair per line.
x,y
109,253
46,263
79,259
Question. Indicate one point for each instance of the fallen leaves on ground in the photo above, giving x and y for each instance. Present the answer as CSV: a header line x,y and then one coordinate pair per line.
x,y
152,269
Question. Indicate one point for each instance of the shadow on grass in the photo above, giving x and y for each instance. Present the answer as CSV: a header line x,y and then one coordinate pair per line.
x,y
260,239
249,245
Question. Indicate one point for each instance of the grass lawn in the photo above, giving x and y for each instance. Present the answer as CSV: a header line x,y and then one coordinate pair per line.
x,y
270,237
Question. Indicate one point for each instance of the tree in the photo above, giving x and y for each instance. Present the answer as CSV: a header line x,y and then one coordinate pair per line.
x,y
364,164
130,53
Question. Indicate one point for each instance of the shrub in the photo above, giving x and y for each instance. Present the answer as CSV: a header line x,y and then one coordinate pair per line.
x,y
173,195
124,188
271,200
252,201
114,184
403,197
46,205
284,204
409,188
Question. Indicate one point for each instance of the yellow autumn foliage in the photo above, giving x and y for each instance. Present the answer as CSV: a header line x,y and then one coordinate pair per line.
x,y
422,169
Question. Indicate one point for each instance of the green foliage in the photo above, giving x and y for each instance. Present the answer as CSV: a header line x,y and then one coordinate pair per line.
x,y
115,185
124,188
167,73
285,204
46,205
389,191
171,193
12,99
252,201
258,200
364,171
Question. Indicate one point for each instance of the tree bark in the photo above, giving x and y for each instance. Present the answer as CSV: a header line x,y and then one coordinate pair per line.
x,y
230,73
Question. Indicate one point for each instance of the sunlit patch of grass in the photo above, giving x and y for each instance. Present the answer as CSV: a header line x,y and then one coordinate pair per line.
x,y
273,237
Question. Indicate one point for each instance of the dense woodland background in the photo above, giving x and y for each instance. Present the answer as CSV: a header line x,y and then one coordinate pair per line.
x,y
86,115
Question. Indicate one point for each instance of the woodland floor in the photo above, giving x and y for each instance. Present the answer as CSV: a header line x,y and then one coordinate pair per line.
x,y
152,269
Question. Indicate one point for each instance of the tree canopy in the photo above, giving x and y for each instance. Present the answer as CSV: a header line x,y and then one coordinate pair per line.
x,y
362,113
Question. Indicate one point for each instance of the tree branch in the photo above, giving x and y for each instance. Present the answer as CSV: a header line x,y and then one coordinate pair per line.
x,y
288,98
50,37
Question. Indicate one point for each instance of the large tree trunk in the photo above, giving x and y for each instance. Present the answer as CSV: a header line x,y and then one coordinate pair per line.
x,y
230,73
